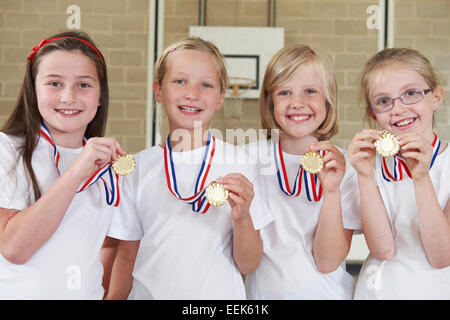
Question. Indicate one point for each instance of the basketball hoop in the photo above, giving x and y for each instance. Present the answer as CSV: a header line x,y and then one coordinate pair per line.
x,y
238,86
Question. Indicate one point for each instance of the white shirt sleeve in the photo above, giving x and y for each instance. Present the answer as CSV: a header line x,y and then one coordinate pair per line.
x,y
256,152
259,210
126,224
14,190
350,201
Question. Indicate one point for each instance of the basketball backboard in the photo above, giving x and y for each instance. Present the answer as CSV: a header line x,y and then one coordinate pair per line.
x,y
247,50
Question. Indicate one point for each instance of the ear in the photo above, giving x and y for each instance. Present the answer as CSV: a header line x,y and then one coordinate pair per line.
x,y
438,96
157,91
221,99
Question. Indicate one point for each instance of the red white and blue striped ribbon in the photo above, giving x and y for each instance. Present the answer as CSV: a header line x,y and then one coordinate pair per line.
x,y
399,167
198,200
111,189
313,188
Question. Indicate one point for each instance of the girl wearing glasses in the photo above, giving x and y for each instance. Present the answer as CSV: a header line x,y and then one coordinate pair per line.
x,y
404,199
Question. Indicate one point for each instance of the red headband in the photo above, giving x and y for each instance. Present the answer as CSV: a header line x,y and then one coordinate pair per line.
x,y
45,41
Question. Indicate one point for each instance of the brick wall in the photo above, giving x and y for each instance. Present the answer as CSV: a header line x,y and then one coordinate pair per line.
x,y
425,26
119,28
339,28
336,27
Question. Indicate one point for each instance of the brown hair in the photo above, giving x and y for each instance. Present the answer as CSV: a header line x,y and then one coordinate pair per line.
x,y
280,68
192,43
409,58
25,119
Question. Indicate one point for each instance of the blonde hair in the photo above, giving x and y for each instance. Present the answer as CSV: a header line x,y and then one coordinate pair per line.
x,y
409,58
280,68
192,43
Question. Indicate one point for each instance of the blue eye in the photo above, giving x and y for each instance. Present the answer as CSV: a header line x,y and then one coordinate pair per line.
x,y
54,84
180,81
383,101
284,93
411,93
310,91
208,85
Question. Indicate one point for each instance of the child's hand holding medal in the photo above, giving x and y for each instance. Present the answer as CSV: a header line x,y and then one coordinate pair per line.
x,y
235,188
329,164
387,145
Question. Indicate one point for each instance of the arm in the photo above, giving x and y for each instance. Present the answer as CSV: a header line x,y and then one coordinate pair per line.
x,y
374,216
121,275
24,232
434,224
331,241
247,243
434,227
107,256
375,220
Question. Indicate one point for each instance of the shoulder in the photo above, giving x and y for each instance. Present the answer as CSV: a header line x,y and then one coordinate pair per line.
x,y
148,159
234,157
258,147
149,153
446,153
8,141
350,173
9,146
341,150
443,163
344,152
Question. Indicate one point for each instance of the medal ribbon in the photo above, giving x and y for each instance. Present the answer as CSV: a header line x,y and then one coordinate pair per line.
x,y
198,200
399,164
112,197
313,188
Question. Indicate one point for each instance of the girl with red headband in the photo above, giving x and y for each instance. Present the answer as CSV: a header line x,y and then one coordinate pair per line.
x,y
56,175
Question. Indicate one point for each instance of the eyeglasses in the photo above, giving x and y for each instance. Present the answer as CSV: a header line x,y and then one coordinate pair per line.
x,y
384,104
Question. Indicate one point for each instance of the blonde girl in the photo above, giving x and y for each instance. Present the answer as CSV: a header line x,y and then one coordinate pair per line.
x,y
314,214
174,244
404,199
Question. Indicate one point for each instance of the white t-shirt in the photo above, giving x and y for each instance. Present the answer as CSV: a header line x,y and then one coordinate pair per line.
x,y
408,274
68,265
183,254
287,269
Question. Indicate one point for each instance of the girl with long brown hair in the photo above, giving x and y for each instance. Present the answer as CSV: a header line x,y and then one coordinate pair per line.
x,y
53,215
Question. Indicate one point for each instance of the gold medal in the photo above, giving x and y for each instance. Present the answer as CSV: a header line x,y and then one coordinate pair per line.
x,y
312,162
216,194
387,145
124,165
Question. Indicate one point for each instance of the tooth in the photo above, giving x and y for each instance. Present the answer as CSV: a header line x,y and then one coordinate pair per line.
x,y
68,112
299,118
404,122
189,109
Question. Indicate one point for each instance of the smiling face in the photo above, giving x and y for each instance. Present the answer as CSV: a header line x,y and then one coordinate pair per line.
x,y
68,95
299,104
190,90
393,81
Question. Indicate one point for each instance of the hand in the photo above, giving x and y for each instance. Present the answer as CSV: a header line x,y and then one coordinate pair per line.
x,y
97,153
333,168
417,152
240,194
361,151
